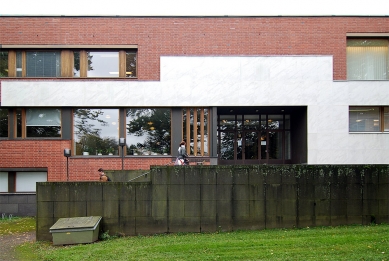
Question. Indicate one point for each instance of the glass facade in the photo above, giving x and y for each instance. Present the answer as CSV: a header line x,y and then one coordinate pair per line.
x,y
252,139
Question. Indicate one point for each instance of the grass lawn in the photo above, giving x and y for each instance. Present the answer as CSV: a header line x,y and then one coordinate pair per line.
x,y
320,243
9,226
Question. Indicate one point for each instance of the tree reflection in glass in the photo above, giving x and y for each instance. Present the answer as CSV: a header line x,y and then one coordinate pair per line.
x,y
96,131
148,131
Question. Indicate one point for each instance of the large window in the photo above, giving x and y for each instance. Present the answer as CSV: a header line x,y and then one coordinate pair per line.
x,y
368,119
69,62
148,131
367,59
26,181
96,131
3,123
43,64
43,122
13,181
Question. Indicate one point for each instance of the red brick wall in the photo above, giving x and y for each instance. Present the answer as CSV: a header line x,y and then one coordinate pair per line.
x,y
49,154
197,36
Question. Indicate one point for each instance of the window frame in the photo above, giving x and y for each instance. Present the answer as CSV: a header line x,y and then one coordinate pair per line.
x,y
371,37
381,118
12,179
67,58
93,145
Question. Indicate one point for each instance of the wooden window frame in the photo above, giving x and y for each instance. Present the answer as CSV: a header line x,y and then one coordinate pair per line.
x,y
67,57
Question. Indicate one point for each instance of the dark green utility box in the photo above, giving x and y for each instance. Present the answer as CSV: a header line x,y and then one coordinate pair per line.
x,y
75,230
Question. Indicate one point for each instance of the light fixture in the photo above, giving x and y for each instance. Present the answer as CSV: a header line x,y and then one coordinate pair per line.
x,y
122,143
67,153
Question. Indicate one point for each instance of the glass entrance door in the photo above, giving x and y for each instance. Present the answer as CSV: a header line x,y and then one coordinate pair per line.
x,y
253,139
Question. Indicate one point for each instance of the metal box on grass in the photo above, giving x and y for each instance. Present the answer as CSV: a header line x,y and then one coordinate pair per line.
x,y
75,230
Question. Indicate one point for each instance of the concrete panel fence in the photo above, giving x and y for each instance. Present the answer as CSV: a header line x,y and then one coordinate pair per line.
x,y
222,198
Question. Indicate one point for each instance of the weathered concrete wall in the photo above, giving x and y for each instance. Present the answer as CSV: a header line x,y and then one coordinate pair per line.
x,y
212,198
18,204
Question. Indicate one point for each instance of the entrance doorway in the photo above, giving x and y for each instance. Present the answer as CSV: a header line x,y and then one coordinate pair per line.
x,y
247,138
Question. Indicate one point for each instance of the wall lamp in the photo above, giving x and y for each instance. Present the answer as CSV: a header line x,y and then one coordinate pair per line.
x,y
67,153
122,143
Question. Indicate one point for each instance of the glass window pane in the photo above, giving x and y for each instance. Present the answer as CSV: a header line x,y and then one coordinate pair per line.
x,y
4,123
386,118
275,145
19,123
76,68
251,122
288,148
43,122
26,181
148,131
4,64
103,64
275,122
364,119
131,64
3,181
226,122
367,59
43,64
251,145
96,131
43,117
287,122
227,143
18,64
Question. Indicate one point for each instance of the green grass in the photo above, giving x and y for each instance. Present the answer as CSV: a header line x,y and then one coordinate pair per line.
x,y
16,225
321,243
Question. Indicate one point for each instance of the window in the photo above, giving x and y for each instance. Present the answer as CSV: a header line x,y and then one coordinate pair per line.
x,y
4,64
12,181
3,181
26,181
3,123
111,61
367,59
148,131
43,123
96,131
368,119
254,138
43,64
195,131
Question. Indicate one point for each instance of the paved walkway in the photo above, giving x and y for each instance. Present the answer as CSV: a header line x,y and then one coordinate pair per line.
x,y
8,243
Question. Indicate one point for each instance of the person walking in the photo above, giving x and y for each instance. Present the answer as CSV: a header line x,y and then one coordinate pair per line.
x,y
103,177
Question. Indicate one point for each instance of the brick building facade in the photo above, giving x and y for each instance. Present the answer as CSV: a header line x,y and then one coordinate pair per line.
x,y
274,90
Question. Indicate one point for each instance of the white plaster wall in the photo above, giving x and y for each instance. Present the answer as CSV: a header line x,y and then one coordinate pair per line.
x,y
236,81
